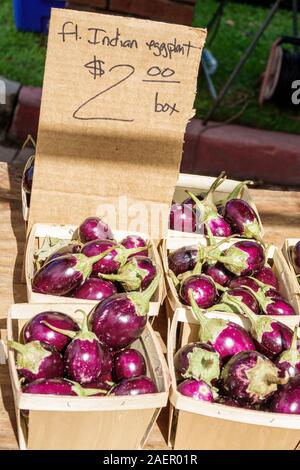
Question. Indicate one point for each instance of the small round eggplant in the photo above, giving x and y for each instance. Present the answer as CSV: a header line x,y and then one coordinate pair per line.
x,y
59,386
250,377
267,277
196,389
63,275
135,241
95,289
287,398
184,259
36,330
135,386
242,281
243,296
243,257
289,361
128,363
36,360
94,228
136,274
218,273
203,288
113,256
120,319
242,218
198,361
226,337
83,356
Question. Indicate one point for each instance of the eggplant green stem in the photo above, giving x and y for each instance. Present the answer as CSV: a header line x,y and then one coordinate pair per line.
x,y
217,182
196,310
69,333
142,299
17,346
236,192
84,326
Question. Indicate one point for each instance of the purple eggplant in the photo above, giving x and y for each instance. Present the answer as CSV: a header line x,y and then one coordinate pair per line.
x,y
209,215
244,296
267,277
113,256
198,361
226,337
59,386
62,275
218,273
135,386
272,305
243,257
83,356
107,363
94,228
136,274
271,337
296,257
183,259
242,218
135,241
103,386
36,330
95,289
289,361
242,281
203,288
28,175
196,389
250,377
36,360
287,398
127,364
121,319
183,218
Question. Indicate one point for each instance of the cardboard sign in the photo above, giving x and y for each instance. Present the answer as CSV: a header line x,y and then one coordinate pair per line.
x,y
117,95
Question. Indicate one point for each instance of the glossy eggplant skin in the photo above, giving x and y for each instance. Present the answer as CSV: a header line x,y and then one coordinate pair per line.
x,y
241,217
219,273
135,386
72,248
83,360
36,330
95,289
267,276
196,389
94,228
287,398
108,264
58,277
116,323
296,257
203,287
128,363
182,260
135,241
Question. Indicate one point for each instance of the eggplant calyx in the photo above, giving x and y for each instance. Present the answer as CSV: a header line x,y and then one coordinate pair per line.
x,y
174,278
235,303
124,253
260,296
235,260
29,355
130,276
85,392
210,193
291,355
223,307
49,247
252,230
141,299
85,263
263,378
203,365
210,328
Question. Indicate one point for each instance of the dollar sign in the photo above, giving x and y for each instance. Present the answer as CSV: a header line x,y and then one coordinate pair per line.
x,y
95,67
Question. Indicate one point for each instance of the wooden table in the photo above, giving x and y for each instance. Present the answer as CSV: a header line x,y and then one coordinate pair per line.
x,y
280,214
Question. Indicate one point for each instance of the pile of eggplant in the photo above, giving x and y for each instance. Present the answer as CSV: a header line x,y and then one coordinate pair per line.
x,y
56,355
93,266
202,213
229,280
259,369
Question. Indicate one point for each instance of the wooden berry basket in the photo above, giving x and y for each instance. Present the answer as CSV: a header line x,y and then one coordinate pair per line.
x,y
287,286
57,422
25,206
67,232
286,250
197,184
220,427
